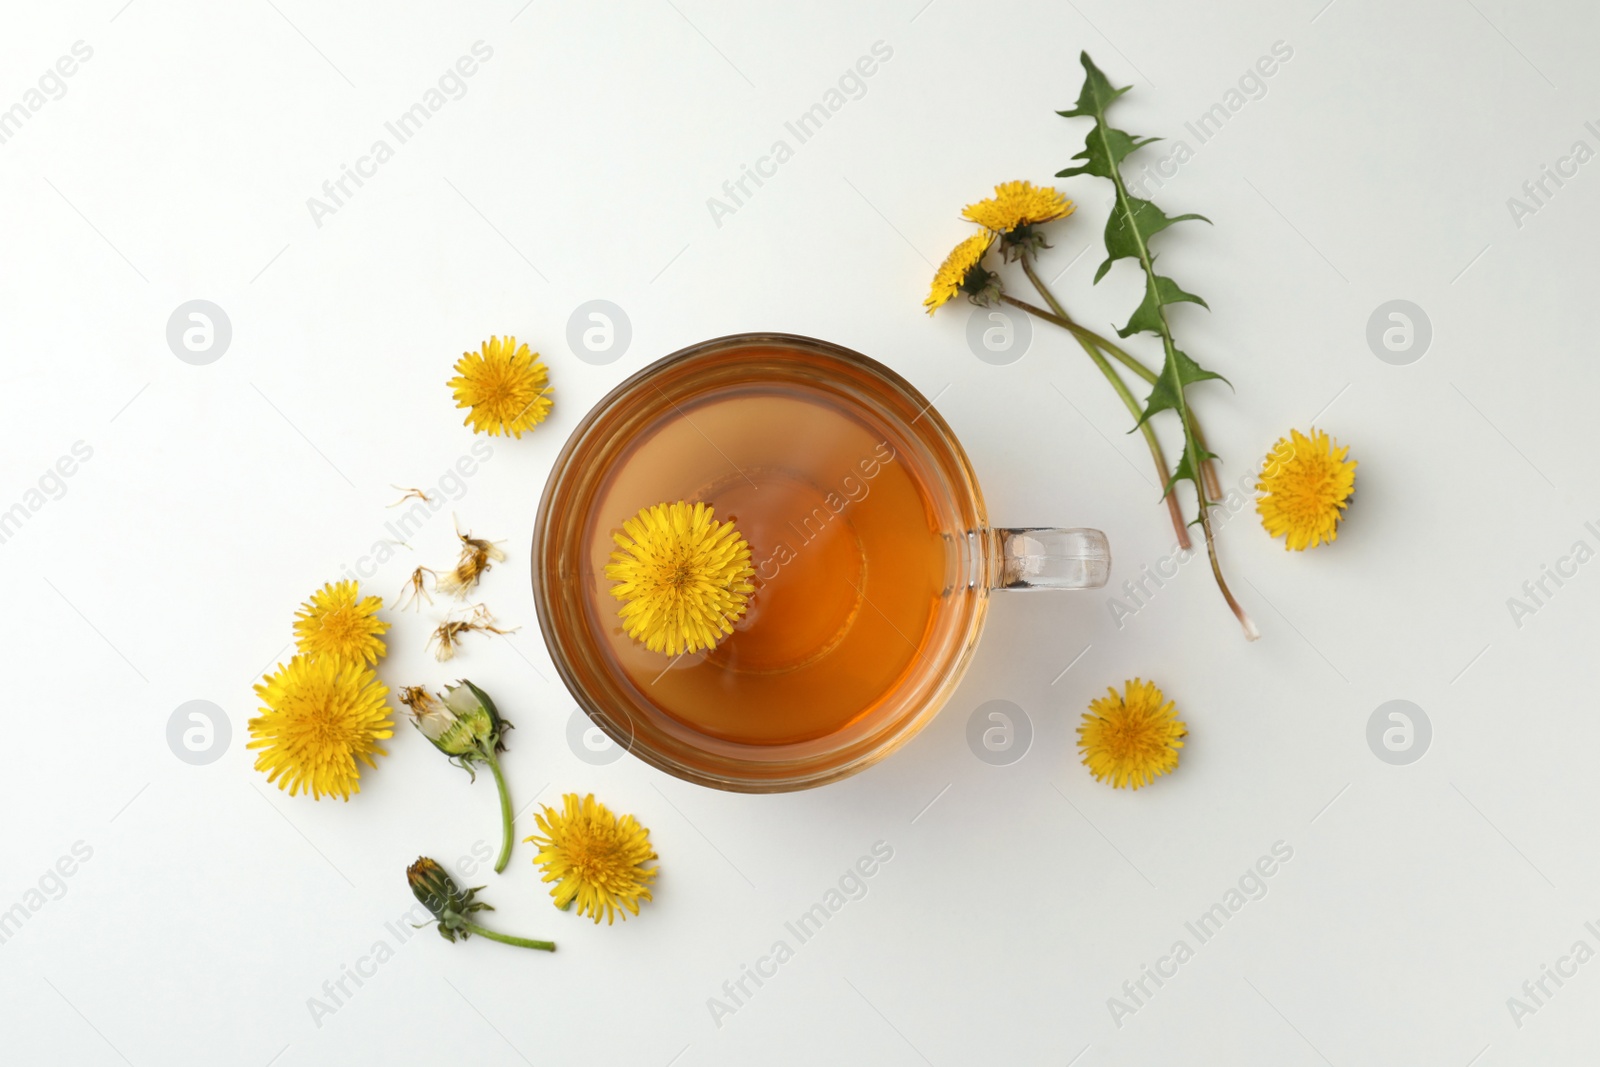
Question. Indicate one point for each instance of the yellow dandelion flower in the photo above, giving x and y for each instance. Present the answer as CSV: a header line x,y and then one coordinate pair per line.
x,y
1130,738
1307,484
339,622
682,577
594,858
505,387
321,716
962,272
1018,204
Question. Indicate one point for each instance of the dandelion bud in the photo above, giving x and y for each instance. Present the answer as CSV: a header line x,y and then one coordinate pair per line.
x,y
451,905
438,892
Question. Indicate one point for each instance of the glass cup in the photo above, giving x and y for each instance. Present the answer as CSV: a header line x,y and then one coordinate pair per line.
x,y
856,636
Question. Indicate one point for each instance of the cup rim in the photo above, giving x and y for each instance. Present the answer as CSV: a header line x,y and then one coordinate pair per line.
x,y
622,733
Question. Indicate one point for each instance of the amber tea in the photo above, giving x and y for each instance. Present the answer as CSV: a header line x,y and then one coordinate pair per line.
x,y
849,566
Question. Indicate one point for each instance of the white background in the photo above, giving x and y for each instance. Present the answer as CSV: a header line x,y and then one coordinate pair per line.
x,y
1377,166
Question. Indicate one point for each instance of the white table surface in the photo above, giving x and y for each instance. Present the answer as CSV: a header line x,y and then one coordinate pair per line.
x,y
1376,165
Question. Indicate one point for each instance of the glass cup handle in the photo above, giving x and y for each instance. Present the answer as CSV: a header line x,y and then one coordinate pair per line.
x,y
1045,558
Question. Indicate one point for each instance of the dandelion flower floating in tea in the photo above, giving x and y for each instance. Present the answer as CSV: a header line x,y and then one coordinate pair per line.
x,y
594,857
683,578
1013,212
1307,483
962,272
1131,738
321,718
338,622
505,388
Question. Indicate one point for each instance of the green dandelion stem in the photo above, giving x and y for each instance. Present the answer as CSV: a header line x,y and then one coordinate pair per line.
x,y
507,939
1134,364
1157,456
1083,333
505,814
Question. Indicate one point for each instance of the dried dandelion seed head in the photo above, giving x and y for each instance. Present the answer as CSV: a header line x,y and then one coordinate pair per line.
x,y
416,588
477,556
447,636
